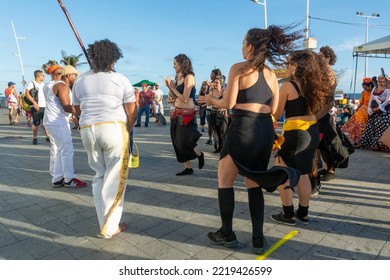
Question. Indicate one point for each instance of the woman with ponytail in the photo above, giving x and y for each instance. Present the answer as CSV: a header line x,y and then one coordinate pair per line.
x,y
252,90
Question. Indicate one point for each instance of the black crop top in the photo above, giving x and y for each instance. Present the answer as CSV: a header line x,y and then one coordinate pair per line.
x,y
180,88
258,93
297,106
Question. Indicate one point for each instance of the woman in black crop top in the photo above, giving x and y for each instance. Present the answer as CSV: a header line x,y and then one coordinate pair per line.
x,y
184,133
301,98
252,89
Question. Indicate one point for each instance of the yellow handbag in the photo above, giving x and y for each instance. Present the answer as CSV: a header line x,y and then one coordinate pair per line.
x,y
134,158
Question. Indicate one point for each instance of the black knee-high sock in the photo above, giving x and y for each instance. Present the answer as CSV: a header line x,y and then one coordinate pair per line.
x,y
256,209
226,208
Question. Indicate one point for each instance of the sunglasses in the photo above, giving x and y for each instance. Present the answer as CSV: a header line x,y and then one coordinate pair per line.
x,y
57,74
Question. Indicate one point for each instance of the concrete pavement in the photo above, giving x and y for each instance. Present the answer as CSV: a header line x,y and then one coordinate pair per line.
x,y
169,216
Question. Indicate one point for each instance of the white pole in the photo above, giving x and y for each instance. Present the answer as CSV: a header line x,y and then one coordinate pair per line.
x,y
19,54
307,20
265,14
366,58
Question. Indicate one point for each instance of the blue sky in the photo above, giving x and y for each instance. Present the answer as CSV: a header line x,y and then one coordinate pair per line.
x,y
151,32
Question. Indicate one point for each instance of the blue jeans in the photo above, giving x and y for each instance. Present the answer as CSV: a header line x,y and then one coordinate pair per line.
x,y
141,110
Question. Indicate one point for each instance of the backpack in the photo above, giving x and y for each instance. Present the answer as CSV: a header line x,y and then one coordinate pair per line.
x,y
34,95
25,106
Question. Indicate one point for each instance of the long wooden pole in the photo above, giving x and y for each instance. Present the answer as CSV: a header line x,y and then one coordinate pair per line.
x,y
75,32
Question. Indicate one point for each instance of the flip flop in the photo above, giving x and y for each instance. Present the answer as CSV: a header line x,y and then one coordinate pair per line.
x,y
121,227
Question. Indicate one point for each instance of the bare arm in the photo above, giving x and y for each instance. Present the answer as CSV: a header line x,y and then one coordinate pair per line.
x,y
278,109
77,109
131,113
189,83
62,91
229,94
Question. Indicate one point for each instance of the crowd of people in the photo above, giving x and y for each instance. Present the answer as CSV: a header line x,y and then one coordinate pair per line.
x,y
240,112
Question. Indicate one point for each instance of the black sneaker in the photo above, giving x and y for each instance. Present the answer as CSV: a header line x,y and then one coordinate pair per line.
x,y
186,171
137,125
35,141
58,184
218,238
322,172
304,220
209,142
315,192
258,245
279,218
315,186
328,176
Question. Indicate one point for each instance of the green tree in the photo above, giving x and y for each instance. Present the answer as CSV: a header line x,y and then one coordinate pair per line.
x,y
73,60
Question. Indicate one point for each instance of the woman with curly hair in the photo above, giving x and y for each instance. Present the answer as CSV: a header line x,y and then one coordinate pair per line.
x,y
355,126
300,98
252,90
106,103
184,133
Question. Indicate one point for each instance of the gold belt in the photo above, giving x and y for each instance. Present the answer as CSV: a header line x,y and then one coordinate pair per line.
x,y
101,123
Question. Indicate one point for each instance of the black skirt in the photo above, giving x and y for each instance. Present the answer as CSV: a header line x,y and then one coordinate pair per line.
x,y
184,139
249,142
299,147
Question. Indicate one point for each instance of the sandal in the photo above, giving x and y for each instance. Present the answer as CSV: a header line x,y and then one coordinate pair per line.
x,y
121,227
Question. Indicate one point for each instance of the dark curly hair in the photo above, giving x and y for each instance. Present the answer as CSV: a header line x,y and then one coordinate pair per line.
x,y
329,53
272,44
314,78
185,64
103,54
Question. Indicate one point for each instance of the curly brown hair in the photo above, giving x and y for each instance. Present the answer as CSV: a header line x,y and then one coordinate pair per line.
x,y
272,44
103,54
313,77
329,53
185,64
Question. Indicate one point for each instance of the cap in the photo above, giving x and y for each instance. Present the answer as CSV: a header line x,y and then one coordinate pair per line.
x,y
144,85
11,84
68,69
52,69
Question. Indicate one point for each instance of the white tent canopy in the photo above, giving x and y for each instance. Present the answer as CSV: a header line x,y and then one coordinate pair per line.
x,y
376,48
379,48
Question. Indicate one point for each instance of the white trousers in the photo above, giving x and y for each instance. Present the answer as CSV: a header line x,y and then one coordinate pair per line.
x,y
158,108
107,146
61,152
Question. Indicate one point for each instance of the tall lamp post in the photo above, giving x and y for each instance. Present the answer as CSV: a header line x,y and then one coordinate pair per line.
x,y
264,3
19,54
374,15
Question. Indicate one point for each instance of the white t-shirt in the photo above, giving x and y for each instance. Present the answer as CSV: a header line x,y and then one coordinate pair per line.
x,y
101,96
54,113
41,95
158,95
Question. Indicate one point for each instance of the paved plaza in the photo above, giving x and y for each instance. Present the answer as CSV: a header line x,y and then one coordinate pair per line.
x,y
169,216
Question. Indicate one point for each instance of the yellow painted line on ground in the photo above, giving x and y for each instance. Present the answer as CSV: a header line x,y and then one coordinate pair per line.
x,y
277,245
